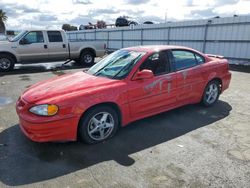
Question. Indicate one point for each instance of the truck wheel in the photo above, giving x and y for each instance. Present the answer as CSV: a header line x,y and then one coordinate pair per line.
x,y
87,58
7,63
98,124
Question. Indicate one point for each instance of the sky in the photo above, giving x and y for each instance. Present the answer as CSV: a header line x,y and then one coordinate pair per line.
x,y
51,14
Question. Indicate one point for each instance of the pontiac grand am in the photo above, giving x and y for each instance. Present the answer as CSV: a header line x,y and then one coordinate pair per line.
x,y
127,85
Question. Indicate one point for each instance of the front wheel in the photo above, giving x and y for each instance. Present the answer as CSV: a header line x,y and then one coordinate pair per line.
x,y
87,58
7,63
211,93
98,124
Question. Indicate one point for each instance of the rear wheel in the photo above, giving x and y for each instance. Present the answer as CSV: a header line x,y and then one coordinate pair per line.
x,y
98,124
87,58
211,93
7,63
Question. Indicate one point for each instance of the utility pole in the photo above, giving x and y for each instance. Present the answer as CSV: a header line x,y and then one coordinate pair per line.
x,y
166,16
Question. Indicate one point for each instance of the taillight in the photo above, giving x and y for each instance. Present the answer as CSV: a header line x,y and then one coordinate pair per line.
x,y
227,64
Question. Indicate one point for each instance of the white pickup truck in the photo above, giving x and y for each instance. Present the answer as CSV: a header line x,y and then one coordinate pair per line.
x,y
37,46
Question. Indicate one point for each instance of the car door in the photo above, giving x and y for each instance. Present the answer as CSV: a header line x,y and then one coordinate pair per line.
x,y
189,80
32,47
150,96
57,46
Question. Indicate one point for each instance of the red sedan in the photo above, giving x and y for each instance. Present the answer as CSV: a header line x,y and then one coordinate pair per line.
x,y
128,85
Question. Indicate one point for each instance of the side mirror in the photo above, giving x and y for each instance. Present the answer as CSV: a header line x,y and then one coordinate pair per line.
x,y
144,74
24,41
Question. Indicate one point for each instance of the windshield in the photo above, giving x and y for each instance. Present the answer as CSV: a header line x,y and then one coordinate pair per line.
x,y
16,38
117,65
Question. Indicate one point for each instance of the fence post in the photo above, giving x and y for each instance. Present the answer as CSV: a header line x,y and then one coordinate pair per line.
x,y
108,41
122,38
142,36
169,35
205,36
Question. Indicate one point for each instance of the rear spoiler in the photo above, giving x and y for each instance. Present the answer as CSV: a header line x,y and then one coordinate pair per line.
x,y
216,56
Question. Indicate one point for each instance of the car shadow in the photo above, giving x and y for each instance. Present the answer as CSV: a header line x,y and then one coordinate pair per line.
x,y
23,161
53,67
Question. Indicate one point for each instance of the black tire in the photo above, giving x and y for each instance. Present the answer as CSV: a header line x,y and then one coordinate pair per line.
x,y
7,63
209,101
87,58
87,125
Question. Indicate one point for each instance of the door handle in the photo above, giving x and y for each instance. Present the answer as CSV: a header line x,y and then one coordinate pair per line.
x,y
64,46
45,46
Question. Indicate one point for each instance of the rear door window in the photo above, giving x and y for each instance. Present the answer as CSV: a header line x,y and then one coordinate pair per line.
x,y
199,59
55,36
184,59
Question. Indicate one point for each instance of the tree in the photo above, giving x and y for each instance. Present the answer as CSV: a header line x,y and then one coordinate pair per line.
x,y
68,27
3,18
73,28
101,24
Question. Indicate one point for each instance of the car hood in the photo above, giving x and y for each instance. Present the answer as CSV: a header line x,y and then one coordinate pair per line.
x,y
63,85
7,46
4,44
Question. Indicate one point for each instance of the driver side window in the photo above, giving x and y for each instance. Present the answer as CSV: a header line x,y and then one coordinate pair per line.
x,y
34,37
158,63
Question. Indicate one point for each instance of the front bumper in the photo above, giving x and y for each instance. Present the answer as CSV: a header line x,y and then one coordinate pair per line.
x,y
46,129
64,130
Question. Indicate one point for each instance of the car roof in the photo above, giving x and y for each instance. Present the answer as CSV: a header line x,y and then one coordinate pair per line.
x,y
155,48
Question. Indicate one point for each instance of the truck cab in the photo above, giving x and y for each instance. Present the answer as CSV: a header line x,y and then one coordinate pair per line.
x,y
42,46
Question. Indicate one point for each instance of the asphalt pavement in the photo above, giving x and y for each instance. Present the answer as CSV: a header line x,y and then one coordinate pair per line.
x,y
192,146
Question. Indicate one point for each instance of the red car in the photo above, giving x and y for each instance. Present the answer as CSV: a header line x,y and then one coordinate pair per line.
x,y
127,85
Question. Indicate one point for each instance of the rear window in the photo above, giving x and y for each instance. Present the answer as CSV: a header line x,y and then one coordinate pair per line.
x,y
55,36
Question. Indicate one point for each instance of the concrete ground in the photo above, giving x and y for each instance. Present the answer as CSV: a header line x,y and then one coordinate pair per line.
x,y
191,146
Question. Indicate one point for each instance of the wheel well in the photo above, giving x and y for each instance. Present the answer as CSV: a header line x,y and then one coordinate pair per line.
x,y
9,54
110,104
219,81
89,50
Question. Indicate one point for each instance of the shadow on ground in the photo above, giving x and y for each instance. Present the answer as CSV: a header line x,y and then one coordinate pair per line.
x,y
43,67
23,162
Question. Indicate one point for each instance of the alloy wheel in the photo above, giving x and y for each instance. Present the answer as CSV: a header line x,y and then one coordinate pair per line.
x,y
212,93
100,126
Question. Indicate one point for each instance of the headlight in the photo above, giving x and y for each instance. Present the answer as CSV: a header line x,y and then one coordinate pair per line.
x,y
44,110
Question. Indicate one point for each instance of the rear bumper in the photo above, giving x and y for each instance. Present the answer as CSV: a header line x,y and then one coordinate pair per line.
x,y
226,81
61,130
